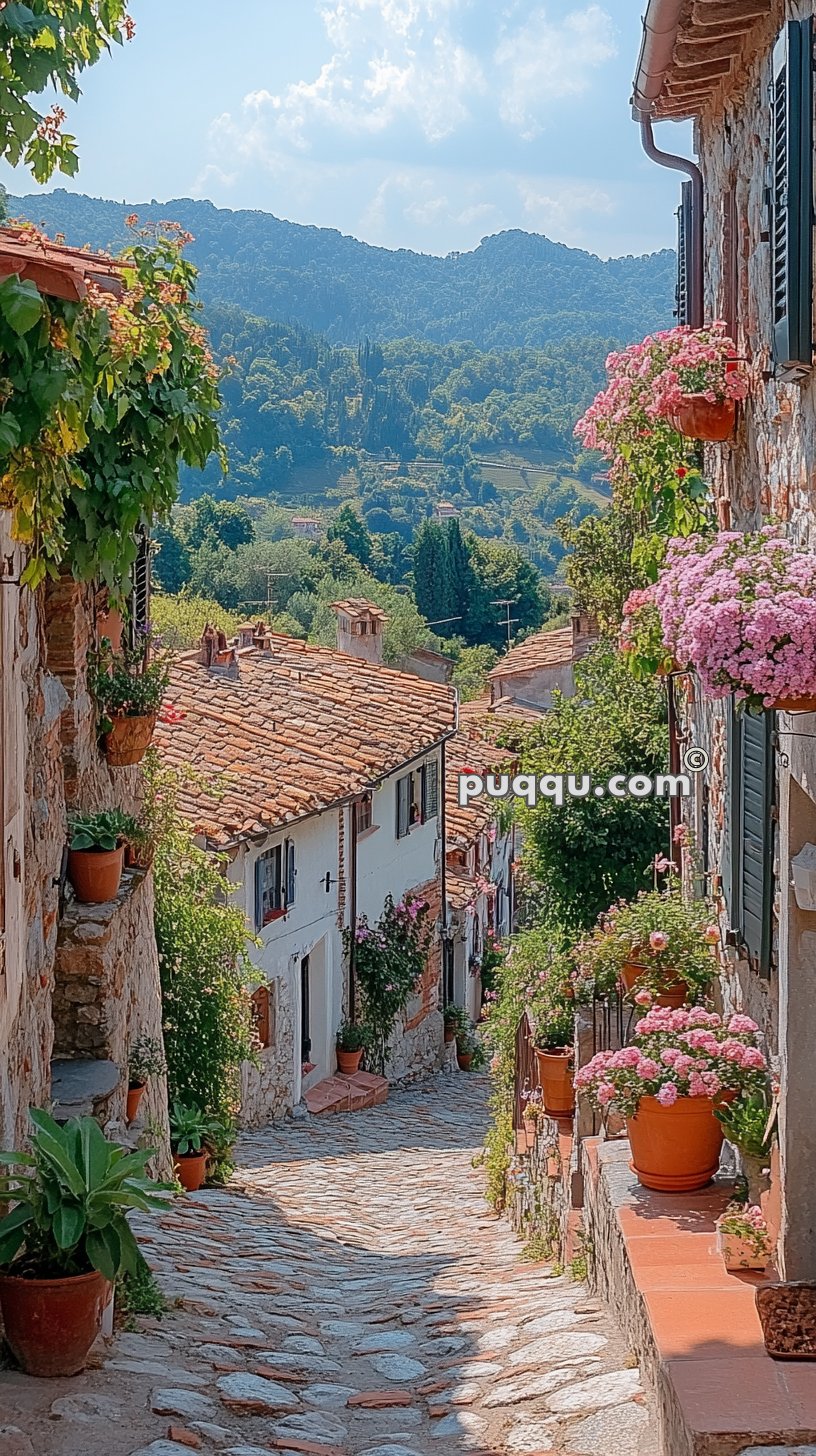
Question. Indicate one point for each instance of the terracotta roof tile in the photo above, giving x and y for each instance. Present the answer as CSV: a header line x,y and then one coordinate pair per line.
x,y
466,753
57,271
324,726
543,649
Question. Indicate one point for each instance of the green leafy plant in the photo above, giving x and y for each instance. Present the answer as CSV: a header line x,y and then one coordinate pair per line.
x,y
131,682
190,1129
145,1060
353,1037
749,1122
70,1199
105,830
555,1026
670,937
390,959
138,1293
455,1018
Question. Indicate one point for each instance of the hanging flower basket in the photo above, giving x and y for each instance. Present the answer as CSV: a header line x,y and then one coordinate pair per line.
x,y
700,418
795,705
128,740
675,990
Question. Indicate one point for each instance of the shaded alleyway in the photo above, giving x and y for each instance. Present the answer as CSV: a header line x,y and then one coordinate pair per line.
x,y
351,1293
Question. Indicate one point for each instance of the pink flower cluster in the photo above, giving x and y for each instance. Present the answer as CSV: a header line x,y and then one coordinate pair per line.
x,y
677,1053
741,610
648,380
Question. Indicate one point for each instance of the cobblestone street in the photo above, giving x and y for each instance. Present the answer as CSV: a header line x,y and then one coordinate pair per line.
x,y
351,1294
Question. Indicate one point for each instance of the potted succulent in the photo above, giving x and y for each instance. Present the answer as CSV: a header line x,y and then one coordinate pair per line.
x,y
145,1060
743,1238
66,1238
129,687
554,1033
352,1040
96,854
749,1123
682,1065
741,610
190,1130
659,945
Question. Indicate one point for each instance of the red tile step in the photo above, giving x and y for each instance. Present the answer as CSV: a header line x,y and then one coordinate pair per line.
x,y
346,1093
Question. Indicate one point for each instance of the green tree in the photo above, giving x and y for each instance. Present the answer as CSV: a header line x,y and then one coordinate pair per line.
x,y
432,586
587,852
224,521
180,620
47,45
348,528
471,670
599,567
502,575
170,564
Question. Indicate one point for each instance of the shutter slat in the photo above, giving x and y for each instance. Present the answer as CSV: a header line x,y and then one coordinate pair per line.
x,y
792,197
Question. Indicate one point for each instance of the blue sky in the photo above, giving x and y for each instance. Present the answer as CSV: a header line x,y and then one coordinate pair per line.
x,y
424,124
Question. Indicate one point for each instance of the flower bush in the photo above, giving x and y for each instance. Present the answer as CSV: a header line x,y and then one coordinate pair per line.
x,y
741,610
641,636
676,1054
389,959
671,937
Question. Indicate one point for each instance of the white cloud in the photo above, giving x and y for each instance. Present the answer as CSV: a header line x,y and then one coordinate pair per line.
x,y
560,208
542,62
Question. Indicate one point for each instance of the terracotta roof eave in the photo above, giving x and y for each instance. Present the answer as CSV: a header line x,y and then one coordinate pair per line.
x,y
687,51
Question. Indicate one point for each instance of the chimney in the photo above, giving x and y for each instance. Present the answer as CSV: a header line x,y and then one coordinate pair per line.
x,y
246,633
360,626
215,654
584,629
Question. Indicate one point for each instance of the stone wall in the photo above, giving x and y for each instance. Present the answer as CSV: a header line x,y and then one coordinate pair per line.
x,y
267,1086
416,1044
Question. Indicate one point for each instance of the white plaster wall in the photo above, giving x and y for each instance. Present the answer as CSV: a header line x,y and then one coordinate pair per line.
x,y
387,865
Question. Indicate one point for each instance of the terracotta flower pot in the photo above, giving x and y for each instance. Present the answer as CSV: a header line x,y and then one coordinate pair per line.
x,y
698,419
674,993
555,1074
675,1149
191,1169
129,739
795,705
96,874
349,1062
51,1324
739,1253
464,1059
450,1033
134,1097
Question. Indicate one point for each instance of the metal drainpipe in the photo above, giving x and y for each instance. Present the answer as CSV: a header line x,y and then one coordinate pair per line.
x,y
443,830
353,911
684,164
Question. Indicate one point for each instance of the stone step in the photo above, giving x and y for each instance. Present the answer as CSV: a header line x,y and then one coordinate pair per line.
x,y
346,1093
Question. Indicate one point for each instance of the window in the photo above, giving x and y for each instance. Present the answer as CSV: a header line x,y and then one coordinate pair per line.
x,y
139,614
791,198
263,1017
430,791
363,813
748,848
405,801
274,883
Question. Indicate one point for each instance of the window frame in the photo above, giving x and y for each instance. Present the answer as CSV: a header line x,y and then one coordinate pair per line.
x,y
279,887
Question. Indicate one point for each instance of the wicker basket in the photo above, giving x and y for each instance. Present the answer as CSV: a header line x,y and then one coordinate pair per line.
x,y
787,1313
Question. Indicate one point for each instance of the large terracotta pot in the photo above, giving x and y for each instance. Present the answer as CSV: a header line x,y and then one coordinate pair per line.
x,y
349,1062
129,739
191,1169
674,993
675,1149
555,1074
134,1097
96,874
51,1324
464,1059
698,419
795,705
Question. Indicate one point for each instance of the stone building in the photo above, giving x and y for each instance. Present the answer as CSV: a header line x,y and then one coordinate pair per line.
x,y
77,983
328,771
529,674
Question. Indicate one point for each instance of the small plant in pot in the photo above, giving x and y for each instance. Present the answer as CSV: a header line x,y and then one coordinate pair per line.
x,y
145,1060
659,945
352,1040
129,687
743,1238
96,854
456,1020
682,1066
749,1123
190,1132
66,1238
554,1033
469,1051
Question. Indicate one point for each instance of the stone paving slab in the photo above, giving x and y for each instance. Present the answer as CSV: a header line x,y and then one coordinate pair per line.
x,y
350,1294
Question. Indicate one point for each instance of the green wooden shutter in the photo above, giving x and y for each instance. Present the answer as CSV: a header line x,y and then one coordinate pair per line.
x,y
430,791
757,836
259,889
684,224
289,850
791,197
404,791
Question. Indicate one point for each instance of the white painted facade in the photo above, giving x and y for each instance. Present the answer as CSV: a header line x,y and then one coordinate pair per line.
x,y
312,928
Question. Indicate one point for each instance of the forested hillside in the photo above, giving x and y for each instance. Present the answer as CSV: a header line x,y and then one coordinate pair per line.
x,y
516,290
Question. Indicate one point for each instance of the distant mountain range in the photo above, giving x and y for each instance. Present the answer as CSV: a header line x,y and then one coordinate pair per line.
x,y
516,290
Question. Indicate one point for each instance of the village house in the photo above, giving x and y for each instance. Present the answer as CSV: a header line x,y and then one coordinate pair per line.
x,y
328,771
78,983
531,672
